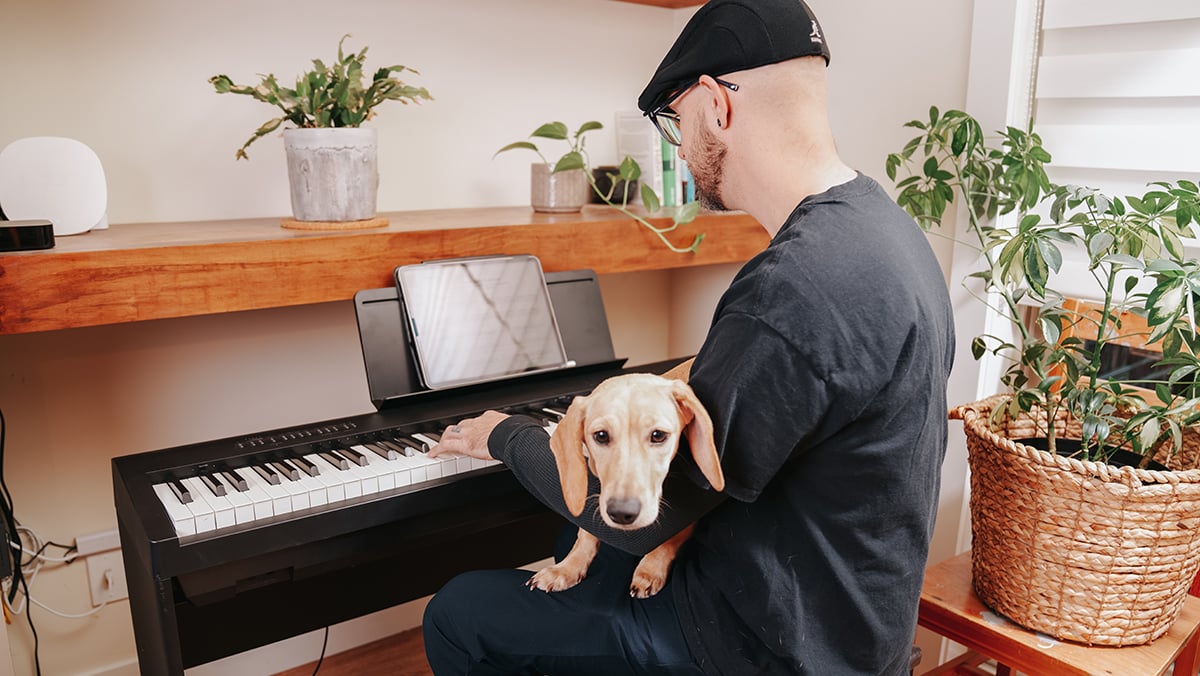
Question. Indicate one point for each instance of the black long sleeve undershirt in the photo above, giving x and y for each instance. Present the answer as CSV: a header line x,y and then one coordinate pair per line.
x,y
523,445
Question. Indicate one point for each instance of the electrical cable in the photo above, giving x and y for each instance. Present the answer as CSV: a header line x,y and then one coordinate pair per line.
x,y
18,574
321,659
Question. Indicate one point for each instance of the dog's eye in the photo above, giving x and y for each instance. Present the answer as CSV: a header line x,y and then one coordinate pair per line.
x,y
600,436
658,436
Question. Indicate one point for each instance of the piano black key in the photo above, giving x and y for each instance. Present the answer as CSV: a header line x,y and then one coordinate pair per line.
x,y
352,455
233,479
408,447
561,413
267,474
180,491
309,468
213,484
436,436
382,451
334,459
286,469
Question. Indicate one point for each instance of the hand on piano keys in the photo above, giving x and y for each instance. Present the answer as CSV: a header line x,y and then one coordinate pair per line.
x,y
311,479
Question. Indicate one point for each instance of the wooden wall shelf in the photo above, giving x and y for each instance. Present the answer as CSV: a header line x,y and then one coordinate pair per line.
x,y
135,272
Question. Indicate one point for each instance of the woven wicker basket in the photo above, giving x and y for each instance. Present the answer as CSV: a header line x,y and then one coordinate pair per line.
x,y
1081,551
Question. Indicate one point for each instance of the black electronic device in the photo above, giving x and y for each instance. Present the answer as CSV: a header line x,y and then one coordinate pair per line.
x,y
26,235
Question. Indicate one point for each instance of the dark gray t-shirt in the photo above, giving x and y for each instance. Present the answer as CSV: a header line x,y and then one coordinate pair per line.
x,y
825,373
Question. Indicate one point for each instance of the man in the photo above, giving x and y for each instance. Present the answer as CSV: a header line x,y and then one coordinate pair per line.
x,y
824,371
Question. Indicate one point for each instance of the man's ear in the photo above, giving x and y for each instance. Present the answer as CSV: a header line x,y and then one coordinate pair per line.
x,y
567,445
717,102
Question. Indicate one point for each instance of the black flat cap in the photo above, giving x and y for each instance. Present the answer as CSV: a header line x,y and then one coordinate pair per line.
x,y
726,36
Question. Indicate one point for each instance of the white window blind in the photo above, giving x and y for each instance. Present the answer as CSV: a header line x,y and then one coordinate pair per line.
x,y
1117,92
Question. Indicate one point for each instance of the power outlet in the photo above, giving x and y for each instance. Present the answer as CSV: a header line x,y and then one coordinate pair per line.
x,y
106,577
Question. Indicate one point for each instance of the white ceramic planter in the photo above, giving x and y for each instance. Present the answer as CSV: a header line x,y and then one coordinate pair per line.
x,y
333,173
560,192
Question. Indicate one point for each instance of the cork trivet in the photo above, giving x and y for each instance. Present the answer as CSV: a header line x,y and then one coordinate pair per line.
x,y
293,224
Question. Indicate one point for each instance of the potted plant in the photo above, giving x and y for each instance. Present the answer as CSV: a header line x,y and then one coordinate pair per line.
x,y
565,184
1079,543
331,158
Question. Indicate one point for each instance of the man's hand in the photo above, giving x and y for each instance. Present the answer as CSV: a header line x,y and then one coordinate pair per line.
x,y
469,437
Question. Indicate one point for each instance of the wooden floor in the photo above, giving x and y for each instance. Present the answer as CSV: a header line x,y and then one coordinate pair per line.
x,y
399,655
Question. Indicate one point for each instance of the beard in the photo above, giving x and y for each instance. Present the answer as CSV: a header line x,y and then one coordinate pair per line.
x,y
708,170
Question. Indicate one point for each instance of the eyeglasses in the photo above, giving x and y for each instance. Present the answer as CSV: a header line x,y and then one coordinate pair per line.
x,y
666,121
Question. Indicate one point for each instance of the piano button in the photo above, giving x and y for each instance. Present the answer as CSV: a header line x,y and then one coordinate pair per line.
x,y
305,465
181,517
213,484
234,480
221,508
263,507
335,460
267,474
181,492
286,469
355,457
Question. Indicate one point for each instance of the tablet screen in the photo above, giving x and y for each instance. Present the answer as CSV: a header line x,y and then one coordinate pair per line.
x,y
478,319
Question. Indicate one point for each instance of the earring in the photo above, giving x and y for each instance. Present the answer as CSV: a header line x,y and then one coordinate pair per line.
x,y
718,123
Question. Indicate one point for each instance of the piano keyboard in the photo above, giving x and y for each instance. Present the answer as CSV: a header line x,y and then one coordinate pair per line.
x,y
314,479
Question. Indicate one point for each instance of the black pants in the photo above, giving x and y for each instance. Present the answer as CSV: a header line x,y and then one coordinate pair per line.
x,y
489,622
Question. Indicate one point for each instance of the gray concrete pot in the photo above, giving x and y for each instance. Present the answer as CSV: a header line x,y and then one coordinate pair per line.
x,y
333,173
564,191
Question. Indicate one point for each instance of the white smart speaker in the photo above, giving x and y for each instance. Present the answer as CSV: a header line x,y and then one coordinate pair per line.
x,y
54,178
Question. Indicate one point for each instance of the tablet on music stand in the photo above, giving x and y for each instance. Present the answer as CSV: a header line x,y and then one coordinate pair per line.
x,y
473,320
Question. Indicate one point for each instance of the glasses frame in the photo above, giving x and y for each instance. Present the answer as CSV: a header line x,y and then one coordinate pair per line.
x,y
666,121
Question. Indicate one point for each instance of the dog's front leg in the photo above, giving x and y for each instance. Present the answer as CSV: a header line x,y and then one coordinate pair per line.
x,y
651,572
571,570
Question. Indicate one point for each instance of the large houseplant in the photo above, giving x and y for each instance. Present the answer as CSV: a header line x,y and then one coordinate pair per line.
x,y
1075,542
563,185
332,159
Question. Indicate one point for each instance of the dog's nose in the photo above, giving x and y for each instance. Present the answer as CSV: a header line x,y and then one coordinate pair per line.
x,y
624,510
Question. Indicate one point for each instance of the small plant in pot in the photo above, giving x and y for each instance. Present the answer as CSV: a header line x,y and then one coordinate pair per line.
x,y
332,158
1061,537
565,184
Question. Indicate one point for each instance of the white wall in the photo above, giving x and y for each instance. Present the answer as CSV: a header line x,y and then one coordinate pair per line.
x,y
128,77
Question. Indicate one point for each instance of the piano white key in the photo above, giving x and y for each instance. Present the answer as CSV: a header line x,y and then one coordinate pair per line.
x,y
264,504
281,500
243,508
181,516
330,476
206,519
318,493
221,508
298,493
384,472
368,481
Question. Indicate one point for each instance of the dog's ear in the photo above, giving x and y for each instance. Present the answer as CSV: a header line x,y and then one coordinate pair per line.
x,y
699,434
567,445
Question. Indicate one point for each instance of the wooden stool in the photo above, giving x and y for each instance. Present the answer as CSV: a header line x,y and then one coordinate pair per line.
x,y
949,607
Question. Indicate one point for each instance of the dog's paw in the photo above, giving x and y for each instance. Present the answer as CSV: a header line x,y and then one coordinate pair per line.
x,y
556,578
646,583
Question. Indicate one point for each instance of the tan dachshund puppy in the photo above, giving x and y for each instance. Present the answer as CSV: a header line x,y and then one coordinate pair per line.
x,y
626,432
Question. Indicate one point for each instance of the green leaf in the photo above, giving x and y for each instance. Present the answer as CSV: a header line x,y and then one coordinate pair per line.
x,y
567,162
629,169
588,126
650,198
551,130
526,145
687,213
